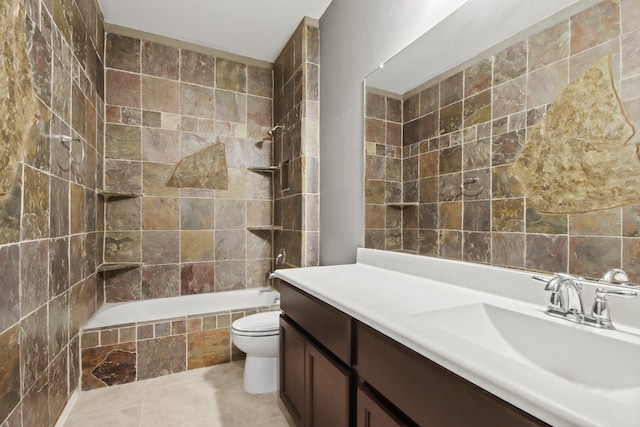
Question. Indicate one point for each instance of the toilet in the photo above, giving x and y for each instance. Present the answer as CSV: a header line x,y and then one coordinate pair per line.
x,y
258,336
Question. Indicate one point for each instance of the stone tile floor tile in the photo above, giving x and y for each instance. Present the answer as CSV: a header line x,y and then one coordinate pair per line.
x,y
205,397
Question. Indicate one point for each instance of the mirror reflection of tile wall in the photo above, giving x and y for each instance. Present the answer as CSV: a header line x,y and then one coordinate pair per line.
x,y
460,136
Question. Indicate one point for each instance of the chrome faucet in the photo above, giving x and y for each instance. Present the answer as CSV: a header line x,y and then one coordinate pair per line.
x,y
566,300
279,260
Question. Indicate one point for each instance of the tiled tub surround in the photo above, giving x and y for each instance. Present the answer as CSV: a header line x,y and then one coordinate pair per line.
x,y
138,350
52,213
470,126
163,104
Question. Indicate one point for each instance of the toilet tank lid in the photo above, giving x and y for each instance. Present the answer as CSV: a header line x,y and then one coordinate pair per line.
x,y
259,322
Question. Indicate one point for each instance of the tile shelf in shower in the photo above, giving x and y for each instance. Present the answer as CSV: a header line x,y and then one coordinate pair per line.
x,y
111,266
264,169
264,228
402,205
106,194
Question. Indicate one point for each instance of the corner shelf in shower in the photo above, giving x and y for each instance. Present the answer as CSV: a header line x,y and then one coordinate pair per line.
x,y
106,194
401,205
264,228
111,266
264,169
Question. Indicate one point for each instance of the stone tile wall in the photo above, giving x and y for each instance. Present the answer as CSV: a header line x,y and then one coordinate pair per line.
x,y
296,146
164,103
50,221
468,128
383,155
138,351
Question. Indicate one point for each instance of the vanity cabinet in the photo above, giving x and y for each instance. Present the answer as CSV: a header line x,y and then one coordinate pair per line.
x,y
336,371
426,392
372,413
315,356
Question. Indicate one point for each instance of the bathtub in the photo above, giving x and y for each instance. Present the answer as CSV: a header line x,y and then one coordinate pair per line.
x,y
138,340
166,308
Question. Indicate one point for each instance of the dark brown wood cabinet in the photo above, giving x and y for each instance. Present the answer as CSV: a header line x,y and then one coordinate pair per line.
x,y
336,371
371,413
426,392
315,360
327,390
314,388
330,327
292,372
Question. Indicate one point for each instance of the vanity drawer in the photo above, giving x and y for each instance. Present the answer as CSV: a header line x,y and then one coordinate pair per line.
x,y
327,325
426,392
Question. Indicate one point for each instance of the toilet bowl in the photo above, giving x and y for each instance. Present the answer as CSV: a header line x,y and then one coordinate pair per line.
x,y
258,336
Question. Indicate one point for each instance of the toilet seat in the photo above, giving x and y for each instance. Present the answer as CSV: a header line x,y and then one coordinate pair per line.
x,y
258,325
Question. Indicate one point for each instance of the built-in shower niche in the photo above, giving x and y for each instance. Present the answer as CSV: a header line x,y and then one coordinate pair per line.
x,y
112,250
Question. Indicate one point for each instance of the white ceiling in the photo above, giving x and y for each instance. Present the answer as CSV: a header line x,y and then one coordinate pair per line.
x,y
254,28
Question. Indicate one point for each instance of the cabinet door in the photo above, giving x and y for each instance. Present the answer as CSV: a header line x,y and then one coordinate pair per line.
x,y
373,414
292,370
327,387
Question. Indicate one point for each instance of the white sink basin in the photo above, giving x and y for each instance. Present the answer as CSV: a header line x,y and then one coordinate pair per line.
x,y
577,353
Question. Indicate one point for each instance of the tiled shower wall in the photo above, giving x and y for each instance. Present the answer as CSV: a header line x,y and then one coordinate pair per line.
x,y
460,136
164,103
49,222
296,108
383,185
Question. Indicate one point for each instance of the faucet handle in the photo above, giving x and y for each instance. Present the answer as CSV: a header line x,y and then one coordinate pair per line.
x,y
600,309
615,276
622,293
540,279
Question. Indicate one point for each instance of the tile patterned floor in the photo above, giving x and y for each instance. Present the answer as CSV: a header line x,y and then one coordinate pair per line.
x,y
206,397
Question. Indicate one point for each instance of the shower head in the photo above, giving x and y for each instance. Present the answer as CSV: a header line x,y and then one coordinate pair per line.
x,y
273,130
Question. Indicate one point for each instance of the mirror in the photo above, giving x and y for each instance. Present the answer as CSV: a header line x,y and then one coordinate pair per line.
x,y
488,26
446,117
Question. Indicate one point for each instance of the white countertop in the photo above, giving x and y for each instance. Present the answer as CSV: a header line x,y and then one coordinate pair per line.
x,y
382,289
